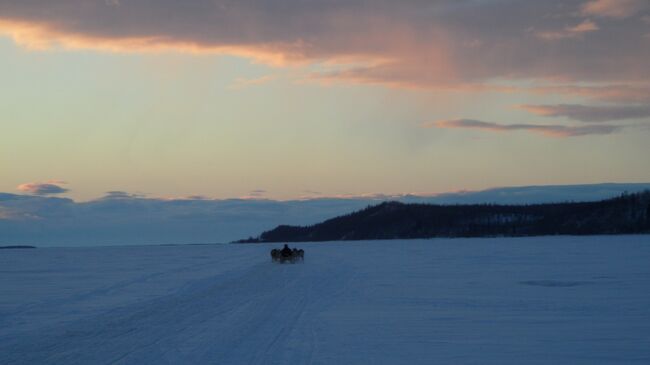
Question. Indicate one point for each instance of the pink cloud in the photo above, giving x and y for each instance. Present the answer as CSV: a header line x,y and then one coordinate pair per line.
x,y
406,44
45,188
547,130
614,8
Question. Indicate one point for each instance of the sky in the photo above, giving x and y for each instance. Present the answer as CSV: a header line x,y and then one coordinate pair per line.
x,y
288,99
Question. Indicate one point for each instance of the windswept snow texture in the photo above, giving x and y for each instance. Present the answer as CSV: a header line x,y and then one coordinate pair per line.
x,y
546,300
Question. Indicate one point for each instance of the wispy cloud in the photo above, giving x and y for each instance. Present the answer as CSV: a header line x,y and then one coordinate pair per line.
x,y
546,130
618,9
615,93
591,113
51,187
242,83
575,31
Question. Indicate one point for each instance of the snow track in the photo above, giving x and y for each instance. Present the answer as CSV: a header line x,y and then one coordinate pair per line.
x,y
545,300
257,314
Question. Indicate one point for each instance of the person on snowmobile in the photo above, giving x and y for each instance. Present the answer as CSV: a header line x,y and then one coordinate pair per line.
x,y
286,251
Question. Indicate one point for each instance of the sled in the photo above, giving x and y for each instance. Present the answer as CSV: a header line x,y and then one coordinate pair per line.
x,y
297,255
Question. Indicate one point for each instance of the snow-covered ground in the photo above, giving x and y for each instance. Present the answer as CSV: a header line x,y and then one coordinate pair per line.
x,y
546,300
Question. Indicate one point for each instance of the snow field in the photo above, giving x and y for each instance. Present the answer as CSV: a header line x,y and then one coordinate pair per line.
x,y
544,300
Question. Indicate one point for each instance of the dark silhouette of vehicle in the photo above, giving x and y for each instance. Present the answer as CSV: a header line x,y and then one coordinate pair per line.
x,y
287,254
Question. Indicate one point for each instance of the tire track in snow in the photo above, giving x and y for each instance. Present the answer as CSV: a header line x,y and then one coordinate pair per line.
x,y
123,331
262,314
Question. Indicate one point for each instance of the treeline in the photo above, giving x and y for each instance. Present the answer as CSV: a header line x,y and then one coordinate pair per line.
x,y
628,213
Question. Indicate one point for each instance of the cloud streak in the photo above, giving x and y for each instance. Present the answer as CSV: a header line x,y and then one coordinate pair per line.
x,y
615,93
546,130
591,113
575,31
242,83
122,195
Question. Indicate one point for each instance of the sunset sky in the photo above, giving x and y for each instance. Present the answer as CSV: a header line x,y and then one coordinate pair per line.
x,y
288,99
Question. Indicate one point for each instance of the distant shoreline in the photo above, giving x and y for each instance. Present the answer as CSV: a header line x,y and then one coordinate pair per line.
x,y
626,214
13,247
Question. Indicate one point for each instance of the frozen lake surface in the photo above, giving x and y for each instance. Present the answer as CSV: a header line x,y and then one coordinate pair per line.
x,y
544,300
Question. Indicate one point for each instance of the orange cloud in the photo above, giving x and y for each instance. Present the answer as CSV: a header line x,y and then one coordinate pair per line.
x,y
42,37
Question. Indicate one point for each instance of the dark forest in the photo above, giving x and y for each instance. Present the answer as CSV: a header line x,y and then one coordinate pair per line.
x,y
626,214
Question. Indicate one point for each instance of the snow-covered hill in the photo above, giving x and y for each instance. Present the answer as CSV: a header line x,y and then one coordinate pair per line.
x,y
549,300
